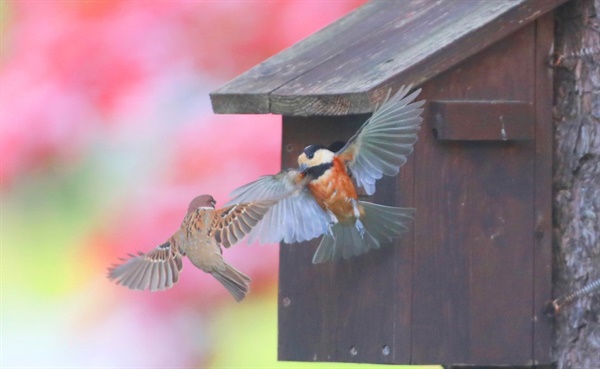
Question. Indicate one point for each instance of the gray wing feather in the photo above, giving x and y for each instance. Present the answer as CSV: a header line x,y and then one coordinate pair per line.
x,y
296,217
381,145
265,188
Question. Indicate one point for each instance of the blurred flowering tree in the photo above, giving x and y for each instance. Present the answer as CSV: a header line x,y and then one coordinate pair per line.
x,y
106,133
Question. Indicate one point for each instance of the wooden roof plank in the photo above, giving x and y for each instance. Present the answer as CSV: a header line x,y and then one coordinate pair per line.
x,y
348,65
249,92
388,59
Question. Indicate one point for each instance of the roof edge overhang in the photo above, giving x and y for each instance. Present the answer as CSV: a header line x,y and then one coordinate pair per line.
x,y
303,80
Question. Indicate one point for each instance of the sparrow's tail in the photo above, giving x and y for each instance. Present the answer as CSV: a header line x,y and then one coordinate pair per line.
x,y
378,225
236,282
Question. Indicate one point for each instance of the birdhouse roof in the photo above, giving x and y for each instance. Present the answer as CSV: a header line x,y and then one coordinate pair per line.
x,y
352,63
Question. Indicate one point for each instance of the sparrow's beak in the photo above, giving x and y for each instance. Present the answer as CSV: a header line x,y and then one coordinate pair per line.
x,y
303,167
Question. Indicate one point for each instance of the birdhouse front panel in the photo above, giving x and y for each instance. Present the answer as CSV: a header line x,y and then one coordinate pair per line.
x,y
341,311
460,287
467,283
474,228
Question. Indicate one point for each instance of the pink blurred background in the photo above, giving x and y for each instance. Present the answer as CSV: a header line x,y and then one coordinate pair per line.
x,y
106,134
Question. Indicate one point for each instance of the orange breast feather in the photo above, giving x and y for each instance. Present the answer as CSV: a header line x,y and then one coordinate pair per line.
x,y
334,191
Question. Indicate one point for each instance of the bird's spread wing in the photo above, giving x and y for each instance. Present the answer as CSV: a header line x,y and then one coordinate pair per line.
x,y
232,223
381,145
271,187
157,270
296,217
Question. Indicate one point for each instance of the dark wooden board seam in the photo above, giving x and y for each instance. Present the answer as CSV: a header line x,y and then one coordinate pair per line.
x,y
543,189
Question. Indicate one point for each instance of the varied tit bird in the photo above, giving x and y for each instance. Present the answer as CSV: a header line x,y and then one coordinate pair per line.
x,y
202,233
320,197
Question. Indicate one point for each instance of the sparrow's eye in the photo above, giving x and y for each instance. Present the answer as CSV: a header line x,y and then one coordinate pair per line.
x,y
310,155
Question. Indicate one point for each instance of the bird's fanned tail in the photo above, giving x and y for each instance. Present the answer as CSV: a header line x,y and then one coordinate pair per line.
x,y
236,282
382,224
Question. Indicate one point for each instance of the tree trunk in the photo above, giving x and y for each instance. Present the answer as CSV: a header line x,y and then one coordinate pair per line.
x,y
577,181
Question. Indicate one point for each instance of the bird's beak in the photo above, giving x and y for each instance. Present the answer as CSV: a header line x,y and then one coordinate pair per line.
x,y
303,167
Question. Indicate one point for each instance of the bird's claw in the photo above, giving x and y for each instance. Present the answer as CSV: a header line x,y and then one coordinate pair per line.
x,y
360,228
355,208
329,230
334,220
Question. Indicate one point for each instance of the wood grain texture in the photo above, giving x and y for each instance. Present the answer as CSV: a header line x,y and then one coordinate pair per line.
x,y
482,120
348,66
344,311
577,183
543,336
466,284
473,264
255,85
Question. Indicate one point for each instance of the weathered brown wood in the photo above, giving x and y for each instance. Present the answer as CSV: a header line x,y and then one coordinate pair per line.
x,y
405,197
431,43
465,307
344,311
577,182
482,120
467,285
542,268
249,92
353,61
473,279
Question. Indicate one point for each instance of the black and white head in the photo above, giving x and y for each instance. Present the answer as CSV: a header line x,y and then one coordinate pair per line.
x,y
314,155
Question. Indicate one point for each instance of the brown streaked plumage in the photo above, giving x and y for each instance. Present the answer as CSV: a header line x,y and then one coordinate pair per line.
x,y
202,233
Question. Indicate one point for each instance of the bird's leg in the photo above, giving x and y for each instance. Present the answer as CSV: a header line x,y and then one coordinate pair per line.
x,y
355,208
330,225
359,226
330,230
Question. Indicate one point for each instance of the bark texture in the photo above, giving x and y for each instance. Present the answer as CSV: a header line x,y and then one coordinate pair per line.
x,y
577,181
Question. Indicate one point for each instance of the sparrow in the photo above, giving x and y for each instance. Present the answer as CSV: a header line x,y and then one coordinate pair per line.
x,y
320,197
203,232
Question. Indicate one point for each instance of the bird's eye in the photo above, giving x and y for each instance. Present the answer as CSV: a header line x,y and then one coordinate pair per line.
x,y
310,156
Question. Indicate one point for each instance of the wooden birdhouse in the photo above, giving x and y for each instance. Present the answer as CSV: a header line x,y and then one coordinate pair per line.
x,y
468,283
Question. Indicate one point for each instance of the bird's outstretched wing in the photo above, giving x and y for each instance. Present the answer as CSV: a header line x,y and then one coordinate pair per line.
x,y
234,222
156,270
381,144
296,217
